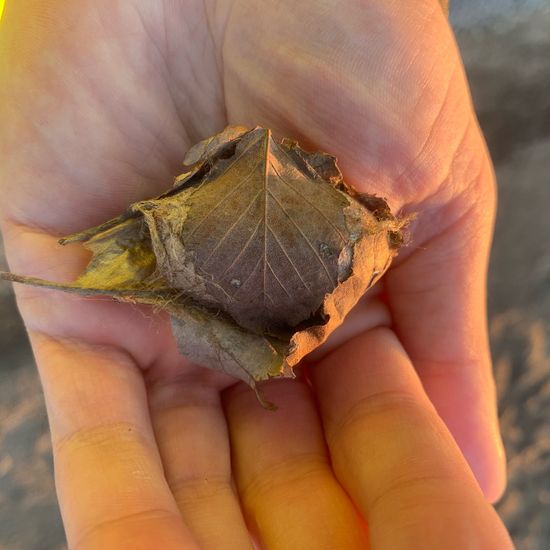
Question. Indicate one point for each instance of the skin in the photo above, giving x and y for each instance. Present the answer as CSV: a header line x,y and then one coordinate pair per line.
x,y
393,423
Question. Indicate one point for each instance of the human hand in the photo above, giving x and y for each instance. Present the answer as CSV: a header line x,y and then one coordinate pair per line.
x,y
100,102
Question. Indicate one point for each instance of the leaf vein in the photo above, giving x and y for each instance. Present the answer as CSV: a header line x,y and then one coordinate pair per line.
x,y
266,167
305,237
278,280
223,199
246,245
290,260
228,232
313,205
249,276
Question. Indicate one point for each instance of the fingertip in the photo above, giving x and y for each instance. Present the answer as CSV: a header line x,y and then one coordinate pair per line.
x,y
470,414
487,459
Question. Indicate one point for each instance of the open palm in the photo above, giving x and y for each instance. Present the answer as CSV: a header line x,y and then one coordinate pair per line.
x,y
100,102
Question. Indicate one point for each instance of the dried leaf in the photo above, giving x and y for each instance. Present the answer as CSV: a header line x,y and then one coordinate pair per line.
x,y
258,253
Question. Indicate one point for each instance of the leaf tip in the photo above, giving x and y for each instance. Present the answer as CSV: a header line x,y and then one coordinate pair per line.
x,y
264,402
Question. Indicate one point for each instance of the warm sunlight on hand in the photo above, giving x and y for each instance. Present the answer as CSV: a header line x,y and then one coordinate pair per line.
x,y
99,102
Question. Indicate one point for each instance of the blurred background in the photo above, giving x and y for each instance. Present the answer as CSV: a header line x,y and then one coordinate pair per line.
x,y
506,49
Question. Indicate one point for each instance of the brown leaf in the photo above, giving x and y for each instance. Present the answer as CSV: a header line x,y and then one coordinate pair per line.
x,y
258,252
261,240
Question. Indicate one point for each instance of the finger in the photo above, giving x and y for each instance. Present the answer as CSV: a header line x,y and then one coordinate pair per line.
x,y
288,491
437,298
109,477
393,454
192,436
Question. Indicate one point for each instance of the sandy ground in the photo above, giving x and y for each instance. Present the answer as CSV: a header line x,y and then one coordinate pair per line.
x,y
507,60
